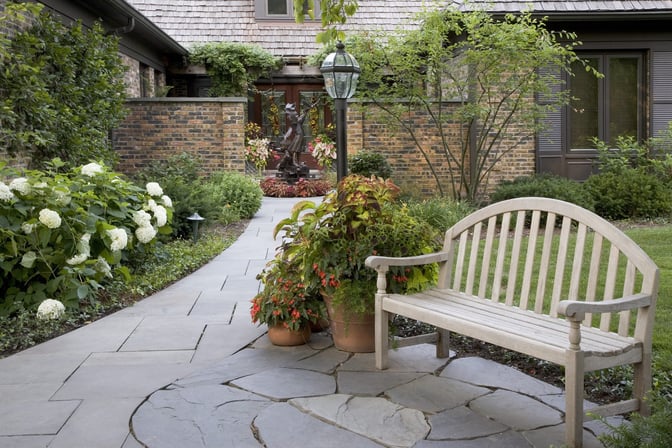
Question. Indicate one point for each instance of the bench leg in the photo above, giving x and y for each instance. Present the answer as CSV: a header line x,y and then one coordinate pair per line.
x,y
642,383
574,399
443,343
382,320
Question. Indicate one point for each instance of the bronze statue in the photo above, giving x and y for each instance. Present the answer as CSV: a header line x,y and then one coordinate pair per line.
x,y
292,144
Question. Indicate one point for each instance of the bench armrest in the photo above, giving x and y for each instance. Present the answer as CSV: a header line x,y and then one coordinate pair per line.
x,y
576,310
379,262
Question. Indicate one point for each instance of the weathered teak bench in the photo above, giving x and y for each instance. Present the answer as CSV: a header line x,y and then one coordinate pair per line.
x,y
541,277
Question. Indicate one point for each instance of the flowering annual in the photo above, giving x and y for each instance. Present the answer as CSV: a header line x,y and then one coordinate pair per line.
x,y
257,151
323,149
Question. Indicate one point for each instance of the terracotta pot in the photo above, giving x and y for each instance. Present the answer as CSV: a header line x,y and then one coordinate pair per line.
x,y
351,332
279,335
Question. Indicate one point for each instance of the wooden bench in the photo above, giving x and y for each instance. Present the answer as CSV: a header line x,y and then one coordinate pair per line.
x,y
541,277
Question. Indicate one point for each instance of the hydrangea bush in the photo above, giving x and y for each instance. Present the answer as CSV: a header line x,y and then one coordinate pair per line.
x,y
63,233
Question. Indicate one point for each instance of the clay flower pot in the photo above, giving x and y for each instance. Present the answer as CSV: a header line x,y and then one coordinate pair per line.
x,y
351,332
284,337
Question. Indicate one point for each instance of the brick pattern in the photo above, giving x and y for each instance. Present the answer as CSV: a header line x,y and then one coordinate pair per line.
x,y
212,129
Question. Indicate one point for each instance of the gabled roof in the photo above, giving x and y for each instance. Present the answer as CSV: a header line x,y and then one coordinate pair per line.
x,y
191,22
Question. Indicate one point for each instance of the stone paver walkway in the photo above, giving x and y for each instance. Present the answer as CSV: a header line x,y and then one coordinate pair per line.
x,y
186,368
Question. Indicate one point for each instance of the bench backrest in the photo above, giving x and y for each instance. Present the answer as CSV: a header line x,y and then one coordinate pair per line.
x,y
534,252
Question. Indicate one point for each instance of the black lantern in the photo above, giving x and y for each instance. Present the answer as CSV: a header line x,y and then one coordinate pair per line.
x,y
341,73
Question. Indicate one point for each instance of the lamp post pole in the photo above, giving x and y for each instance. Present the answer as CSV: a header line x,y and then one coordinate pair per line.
x,y
341,73
341,138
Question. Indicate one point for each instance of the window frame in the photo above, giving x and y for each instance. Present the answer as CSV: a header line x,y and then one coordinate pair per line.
x,y
261,11
604,101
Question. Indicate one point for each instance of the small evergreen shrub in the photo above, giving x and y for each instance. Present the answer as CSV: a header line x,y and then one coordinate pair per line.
x,y
629,193
440,213
546,186
369,163
236,191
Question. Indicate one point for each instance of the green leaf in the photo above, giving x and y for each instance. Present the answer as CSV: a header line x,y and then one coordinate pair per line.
x,y
83,292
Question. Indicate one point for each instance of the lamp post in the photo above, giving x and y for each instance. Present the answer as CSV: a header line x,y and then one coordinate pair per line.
x,y
341,73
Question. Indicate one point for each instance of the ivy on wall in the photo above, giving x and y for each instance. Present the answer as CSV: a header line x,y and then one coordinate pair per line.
x,y
234,66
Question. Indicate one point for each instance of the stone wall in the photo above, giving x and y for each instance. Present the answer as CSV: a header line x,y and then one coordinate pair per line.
x,y
212,129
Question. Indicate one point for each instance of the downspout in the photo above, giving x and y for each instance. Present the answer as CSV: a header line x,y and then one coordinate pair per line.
x,y
130,26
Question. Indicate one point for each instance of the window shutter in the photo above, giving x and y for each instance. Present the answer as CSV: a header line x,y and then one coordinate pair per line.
x,y
661,91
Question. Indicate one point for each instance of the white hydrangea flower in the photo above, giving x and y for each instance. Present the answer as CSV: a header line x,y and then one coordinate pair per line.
x,y
167,201
50,309
151,204
77,259
103,267
20,184
91,169
119,239
145,234
50,218
27,228
161,215
142,218
154,189
5,193
62,198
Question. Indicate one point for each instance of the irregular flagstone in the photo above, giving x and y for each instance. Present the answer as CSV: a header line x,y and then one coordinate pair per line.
x,y
325,361
555,436
245,362
283,383
206,416
508,439
515,410
416,358
432,394
484,372
376,418
372,383
281,426
462,423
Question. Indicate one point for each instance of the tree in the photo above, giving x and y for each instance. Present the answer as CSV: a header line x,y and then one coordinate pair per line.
x,y
61,88
332,13
470,71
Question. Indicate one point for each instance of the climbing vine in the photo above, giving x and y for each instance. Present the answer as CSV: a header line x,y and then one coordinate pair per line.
x,y
234,66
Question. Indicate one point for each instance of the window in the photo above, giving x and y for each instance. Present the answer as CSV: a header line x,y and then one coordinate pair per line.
x,y
606,107
282,9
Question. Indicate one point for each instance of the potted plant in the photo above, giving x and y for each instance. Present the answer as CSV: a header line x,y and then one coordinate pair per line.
x,y
330,241
286,305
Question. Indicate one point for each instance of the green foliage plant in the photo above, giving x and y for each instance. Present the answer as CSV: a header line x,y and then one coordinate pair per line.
x,y
330,241
440,213
332,14
62,234
630,193
234,66
62,88
475,77
370,163
546,186
235,191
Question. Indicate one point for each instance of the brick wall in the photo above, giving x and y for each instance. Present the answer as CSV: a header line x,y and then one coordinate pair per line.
x,y
156,128
368,129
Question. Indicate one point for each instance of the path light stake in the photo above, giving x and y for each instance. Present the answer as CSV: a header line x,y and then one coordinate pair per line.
x,y
341,73
195,220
